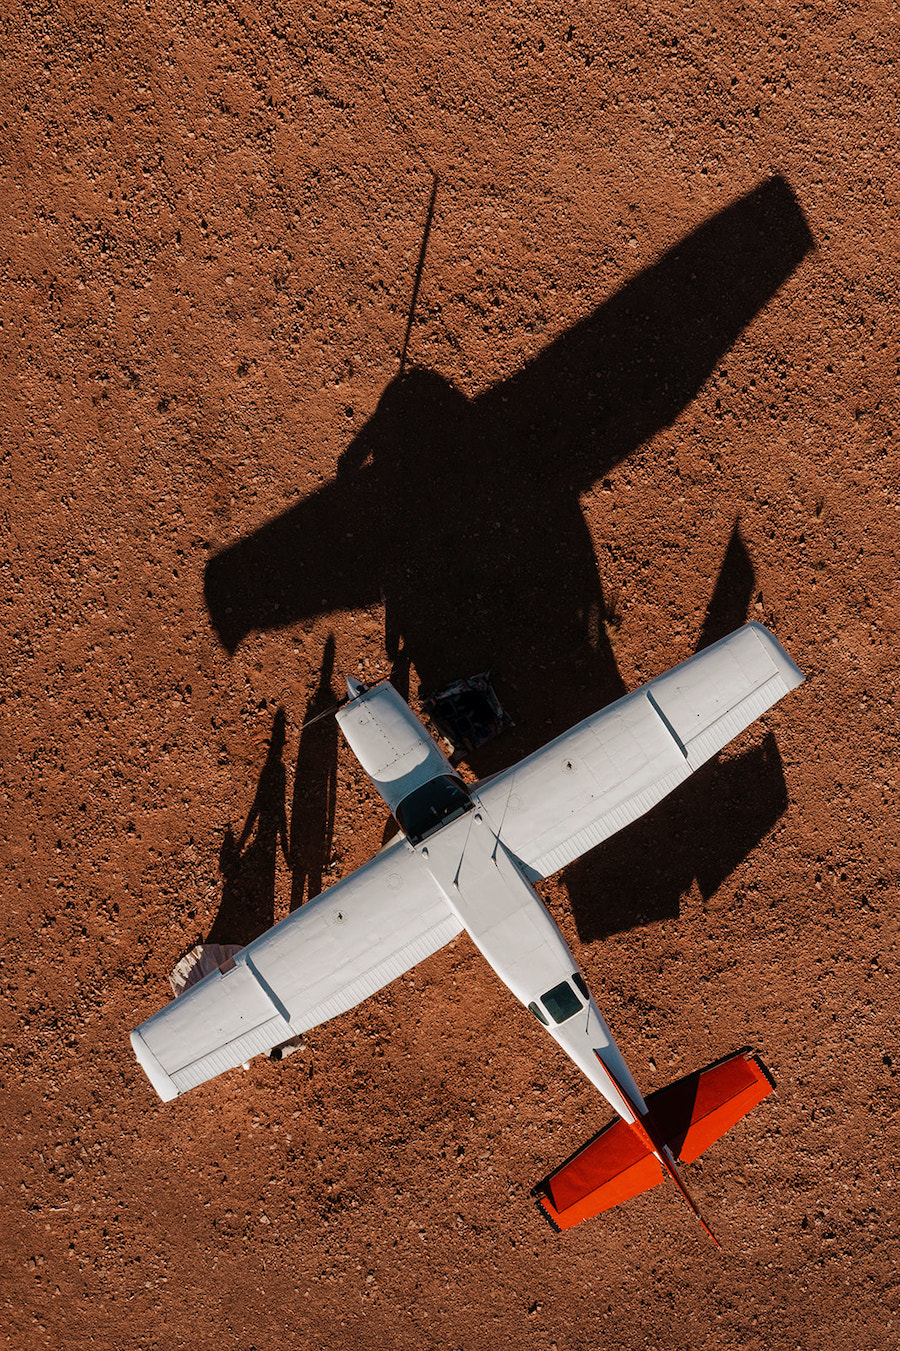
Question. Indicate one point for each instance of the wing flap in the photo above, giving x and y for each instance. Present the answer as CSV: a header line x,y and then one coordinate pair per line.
x,y
587,784
616,817
320,1004
355,938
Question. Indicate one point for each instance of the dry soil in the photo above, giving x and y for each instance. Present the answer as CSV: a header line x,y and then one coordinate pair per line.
x,y
650,390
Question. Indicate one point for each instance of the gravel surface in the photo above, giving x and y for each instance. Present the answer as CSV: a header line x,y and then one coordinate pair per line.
x,y
650,391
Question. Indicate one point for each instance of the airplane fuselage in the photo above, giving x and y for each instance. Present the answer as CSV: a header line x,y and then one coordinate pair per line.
x,y
510,925
485,885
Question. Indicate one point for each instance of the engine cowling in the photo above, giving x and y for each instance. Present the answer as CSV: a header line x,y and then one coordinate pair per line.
x,y
390,742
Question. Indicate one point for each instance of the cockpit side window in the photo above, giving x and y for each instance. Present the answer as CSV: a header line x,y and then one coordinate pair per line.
x,y
578,981
562,1003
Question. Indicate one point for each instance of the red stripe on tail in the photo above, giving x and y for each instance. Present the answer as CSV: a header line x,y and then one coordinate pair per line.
x,y
646,1129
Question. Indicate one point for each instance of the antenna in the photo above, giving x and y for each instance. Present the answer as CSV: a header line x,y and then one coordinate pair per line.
x,y
326,712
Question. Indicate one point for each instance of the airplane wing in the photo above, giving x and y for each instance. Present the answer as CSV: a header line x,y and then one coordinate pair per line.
x,y
610,769
321,960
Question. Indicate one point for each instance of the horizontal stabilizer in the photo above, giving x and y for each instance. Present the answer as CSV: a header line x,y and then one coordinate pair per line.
x,y
697,1110
689,1115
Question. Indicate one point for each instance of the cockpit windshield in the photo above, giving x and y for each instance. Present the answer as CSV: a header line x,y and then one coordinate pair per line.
x,y
432,805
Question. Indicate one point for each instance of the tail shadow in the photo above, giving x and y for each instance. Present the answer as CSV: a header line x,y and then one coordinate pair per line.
x,y
732,594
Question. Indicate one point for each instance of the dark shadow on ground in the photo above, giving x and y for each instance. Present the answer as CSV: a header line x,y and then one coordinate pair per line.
x,y
733,592
702,831
315,788
247,908
464,516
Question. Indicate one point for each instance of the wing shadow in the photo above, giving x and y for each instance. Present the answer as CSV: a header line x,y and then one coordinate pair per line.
x,y
702,831
463,515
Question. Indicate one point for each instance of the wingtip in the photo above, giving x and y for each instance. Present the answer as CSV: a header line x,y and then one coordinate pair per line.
x,y
786,666
152,1068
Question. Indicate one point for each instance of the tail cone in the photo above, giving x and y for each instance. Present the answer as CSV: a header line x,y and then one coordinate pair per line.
x,y
646,1130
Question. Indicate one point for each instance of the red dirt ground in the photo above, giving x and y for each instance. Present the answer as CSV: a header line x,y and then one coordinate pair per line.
x,y
211,223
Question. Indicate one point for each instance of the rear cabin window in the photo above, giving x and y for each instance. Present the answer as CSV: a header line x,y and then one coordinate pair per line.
x,y
561,1002
432,805
580,986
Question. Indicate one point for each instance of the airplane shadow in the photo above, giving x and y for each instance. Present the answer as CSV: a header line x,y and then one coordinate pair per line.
x,y
464,517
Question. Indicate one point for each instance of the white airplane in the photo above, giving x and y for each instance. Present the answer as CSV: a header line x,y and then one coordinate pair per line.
x,y
468,858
